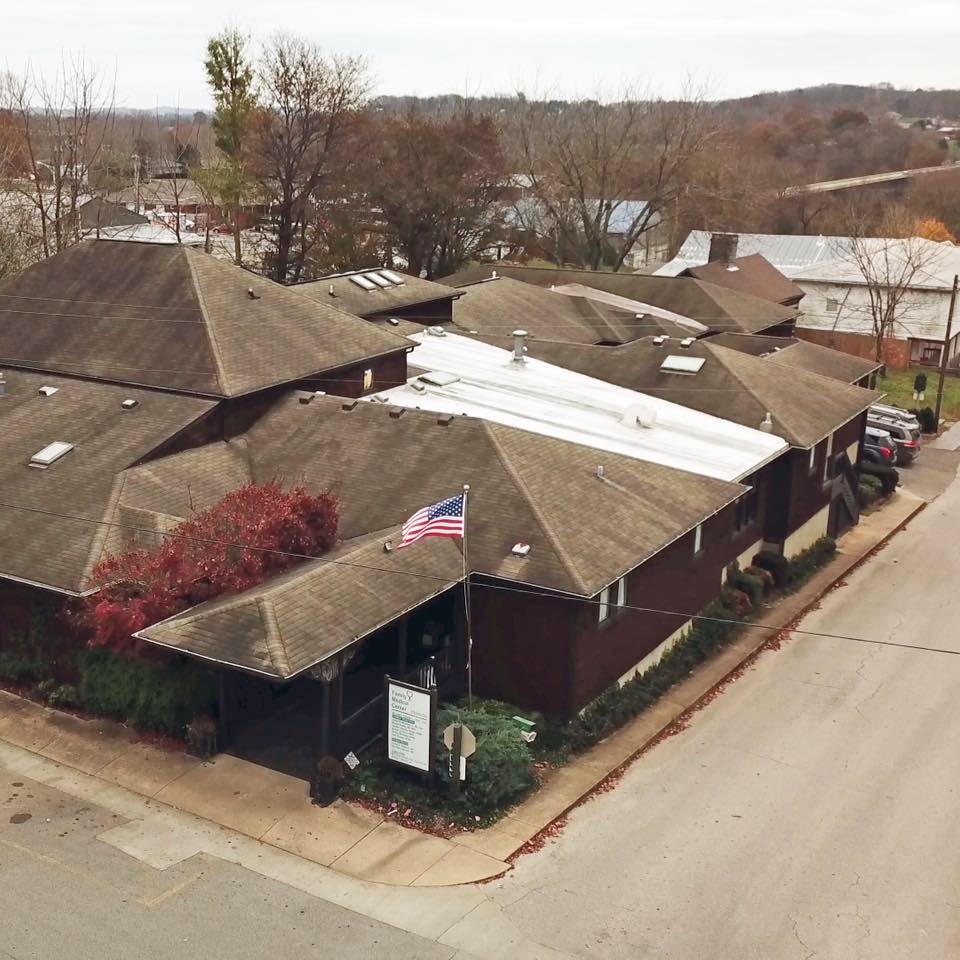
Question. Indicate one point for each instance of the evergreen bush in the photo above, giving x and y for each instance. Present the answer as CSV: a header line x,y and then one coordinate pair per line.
x,y
870,488
162,697
808,561
774,562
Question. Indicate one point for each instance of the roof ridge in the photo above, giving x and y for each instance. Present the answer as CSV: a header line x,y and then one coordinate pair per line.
x,y
275,645
99,541
207,325
750,389
565,560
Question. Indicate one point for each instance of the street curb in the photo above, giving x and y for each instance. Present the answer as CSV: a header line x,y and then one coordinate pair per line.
x,y
679,722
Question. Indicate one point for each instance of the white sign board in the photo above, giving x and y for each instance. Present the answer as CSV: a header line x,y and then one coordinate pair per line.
x,y
409,725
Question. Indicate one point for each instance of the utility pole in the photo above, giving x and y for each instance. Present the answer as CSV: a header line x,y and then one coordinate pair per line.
x,y
946,349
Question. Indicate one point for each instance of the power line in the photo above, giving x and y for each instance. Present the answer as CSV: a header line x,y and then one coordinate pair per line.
x,y
492,586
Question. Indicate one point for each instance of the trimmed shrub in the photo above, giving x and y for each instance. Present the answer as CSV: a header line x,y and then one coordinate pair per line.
x,y
736,601
65,695
888,476
870,488
774,562
807,562
21,666
927,418
764,576
747,583
160,696
501,770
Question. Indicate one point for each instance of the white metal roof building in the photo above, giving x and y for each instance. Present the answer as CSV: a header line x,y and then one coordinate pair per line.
x,y
789,254
466,377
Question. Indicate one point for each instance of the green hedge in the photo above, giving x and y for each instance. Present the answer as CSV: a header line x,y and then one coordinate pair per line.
x,y
870,488
162,697
801,567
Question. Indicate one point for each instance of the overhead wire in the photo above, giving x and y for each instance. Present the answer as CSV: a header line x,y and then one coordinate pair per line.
x,y
531,591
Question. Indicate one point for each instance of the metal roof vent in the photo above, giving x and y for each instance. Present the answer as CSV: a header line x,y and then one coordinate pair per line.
x,y
439,378
252,294
519,345
732,268
661,340
520,549
599,471
688,365
129,403
766,426
380,398
641,416
46,391
330,290
686,343
436,331
419,387
493,274
3,386
50,454
393,321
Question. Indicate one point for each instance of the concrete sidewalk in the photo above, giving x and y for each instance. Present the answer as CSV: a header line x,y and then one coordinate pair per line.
x,y
274,808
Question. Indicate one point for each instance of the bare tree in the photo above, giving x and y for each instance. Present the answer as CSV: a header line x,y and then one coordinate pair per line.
x,y
65,123
584,162
895,269
303,139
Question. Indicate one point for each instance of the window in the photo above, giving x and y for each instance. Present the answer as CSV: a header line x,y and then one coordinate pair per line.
x,y
604,604
833,306
748,506
367,379
697,539
607,609
813,458
826,460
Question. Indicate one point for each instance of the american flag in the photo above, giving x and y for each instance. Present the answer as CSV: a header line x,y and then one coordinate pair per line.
x,y
443,519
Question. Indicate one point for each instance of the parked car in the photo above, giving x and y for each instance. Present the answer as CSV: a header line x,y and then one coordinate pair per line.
x,y
879,447
897,413
906,435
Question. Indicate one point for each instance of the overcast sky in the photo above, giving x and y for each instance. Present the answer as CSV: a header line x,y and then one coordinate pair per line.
x,y
731,47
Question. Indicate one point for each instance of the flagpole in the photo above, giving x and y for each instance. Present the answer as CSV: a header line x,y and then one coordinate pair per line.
x,y
466,602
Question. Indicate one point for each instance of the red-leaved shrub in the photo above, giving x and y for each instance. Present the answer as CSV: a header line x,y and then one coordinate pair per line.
x,y
251,534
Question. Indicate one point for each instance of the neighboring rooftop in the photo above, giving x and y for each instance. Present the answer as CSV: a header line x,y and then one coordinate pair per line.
x,y
716,307
37,544
500,305
786,253
374,292
173,317
717,380
752,274
466,376
98,213
802,354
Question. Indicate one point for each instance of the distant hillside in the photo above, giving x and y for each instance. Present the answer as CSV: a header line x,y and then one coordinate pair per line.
x,y
871,100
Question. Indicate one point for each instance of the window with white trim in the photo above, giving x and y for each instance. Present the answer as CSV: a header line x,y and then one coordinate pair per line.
x,y
604,604
826,459
622,592
813,458
697,538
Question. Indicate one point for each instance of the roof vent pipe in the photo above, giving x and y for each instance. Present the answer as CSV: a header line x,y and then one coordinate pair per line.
x,y
3,386
493,274
766,425
519,348
599,471
330,290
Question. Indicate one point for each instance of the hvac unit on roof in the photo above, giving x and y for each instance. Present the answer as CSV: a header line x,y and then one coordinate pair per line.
x,y
50,454
688,365
363,282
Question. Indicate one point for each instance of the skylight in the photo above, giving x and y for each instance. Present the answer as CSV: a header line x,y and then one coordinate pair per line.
x,y
392,276
674,364
377,279
438,378
362,281
50,454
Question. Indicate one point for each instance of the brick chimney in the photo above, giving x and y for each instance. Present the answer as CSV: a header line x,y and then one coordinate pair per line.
x,y
723,247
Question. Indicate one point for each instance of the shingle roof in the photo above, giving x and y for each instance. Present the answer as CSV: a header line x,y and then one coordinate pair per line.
x,y
349,296
802,354
36,544
385,464
291,622
753,274
731,385
98,212
173,317
714,306
499,305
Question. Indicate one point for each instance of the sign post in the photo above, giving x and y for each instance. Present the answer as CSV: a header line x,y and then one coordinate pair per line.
x,y
461,743
411,724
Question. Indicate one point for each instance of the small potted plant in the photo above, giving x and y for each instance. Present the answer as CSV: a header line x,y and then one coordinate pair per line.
x,y
327,780
202,736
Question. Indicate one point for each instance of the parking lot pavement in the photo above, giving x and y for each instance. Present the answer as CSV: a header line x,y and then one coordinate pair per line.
x,y
66,894
932,472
